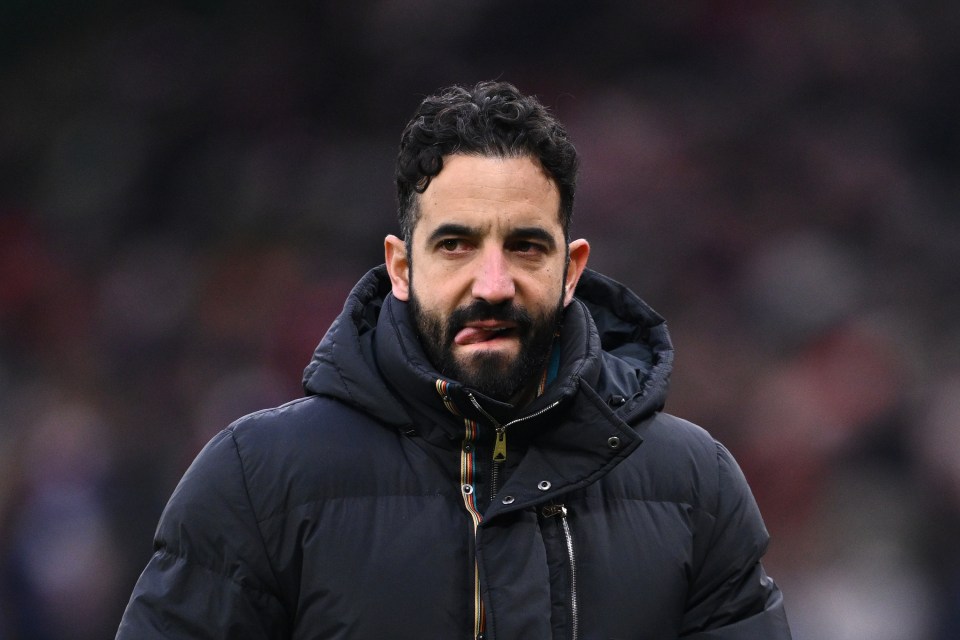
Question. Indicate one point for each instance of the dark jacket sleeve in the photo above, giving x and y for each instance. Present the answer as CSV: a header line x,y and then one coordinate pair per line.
x,y
209,576
732,598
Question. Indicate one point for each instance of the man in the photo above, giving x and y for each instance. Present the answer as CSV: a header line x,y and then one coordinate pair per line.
x,y
481,452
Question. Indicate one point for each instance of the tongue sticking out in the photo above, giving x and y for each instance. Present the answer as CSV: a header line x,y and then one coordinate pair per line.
x,y
473,335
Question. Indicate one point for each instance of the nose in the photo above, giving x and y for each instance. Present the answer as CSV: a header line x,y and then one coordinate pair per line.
x,y
493,281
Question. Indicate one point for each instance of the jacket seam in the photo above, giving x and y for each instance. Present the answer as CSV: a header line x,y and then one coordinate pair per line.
x,y
714,514
719,484
266,411
339,370
682,503
365,496
166,551
246,493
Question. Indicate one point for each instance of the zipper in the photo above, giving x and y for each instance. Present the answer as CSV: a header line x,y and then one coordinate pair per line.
x,y
468,492
499,460
500,442
467,478
550,511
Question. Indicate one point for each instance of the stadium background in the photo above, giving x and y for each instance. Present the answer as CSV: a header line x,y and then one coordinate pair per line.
x,y
189,189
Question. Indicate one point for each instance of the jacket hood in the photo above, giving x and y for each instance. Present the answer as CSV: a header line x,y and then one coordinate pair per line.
x,y
611,341
634,346
344,363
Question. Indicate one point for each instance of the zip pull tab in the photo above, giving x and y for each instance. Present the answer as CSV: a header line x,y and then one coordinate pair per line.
x,y
552,510
500,446
499,461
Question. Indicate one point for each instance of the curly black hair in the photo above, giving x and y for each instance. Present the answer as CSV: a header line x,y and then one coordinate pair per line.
x,y
490,119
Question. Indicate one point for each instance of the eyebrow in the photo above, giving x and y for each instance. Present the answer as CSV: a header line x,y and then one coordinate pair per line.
x,y
463,231
452,229
535,233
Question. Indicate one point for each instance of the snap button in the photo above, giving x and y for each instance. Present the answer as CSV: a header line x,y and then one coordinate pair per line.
x,y
466,488
508,499
468,447
544,485
613,442
617,400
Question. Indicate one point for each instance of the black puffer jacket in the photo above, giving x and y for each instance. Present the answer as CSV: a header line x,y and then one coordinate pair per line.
x,y
365,510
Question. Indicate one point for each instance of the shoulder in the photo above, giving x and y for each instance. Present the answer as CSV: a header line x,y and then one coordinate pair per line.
x,y
307,427
677,434
675,443
301,451
310,412
681,461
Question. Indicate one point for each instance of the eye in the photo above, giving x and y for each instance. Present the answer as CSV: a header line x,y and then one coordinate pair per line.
x,y
451,245
528,247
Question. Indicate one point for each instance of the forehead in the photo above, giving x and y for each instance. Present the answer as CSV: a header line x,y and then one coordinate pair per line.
x,y
491,192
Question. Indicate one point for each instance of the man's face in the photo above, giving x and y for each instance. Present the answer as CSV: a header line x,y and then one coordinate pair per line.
x,y
487,277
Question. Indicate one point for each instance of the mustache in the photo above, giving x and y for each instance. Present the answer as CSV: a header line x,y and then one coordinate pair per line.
x,y
483,310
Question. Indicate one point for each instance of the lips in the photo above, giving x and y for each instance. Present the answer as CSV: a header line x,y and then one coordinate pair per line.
x,y
482,332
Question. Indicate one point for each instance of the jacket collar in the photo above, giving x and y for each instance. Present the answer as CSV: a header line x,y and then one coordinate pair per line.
x,y
615,353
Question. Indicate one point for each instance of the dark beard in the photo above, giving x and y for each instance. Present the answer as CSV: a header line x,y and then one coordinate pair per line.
x,y
495,375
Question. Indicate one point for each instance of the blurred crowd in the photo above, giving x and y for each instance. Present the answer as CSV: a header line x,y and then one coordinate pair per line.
x,y
189,190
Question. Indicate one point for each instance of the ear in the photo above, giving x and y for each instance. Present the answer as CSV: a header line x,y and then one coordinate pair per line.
x,y
398,266
579,253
